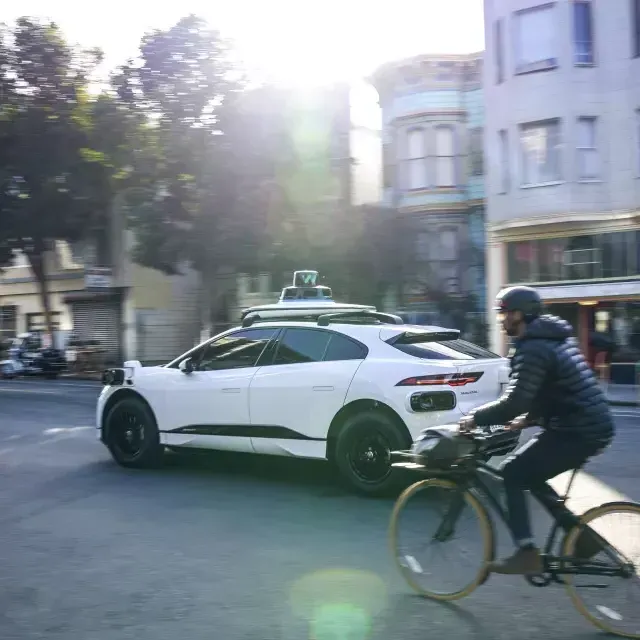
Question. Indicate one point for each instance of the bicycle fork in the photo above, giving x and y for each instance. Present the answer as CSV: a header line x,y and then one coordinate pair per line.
x,y
454,511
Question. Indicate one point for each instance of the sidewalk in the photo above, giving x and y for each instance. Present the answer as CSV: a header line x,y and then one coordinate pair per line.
x,y
623,395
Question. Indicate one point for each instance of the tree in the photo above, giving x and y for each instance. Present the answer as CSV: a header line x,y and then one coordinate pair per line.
x,y
218,149
179,84
56,170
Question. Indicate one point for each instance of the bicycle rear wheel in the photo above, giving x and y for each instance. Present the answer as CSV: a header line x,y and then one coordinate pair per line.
x,y
610,602
413,543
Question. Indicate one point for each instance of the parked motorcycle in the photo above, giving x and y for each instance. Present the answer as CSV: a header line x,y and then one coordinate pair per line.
x,y
29,357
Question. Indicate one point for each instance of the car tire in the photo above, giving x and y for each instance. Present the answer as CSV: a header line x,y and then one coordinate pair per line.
x,y
131,434
362,452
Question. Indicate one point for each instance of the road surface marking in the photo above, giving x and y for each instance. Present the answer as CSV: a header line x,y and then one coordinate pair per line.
x,y
53,385
38,391
68,430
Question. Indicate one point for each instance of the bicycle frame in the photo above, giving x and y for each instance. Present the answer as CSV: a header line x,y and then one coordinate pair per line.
x,y
555,566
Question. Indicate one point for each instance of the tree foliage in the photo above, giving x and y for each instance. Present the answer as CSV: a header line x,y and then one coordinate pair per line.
x,y
180,84
58,148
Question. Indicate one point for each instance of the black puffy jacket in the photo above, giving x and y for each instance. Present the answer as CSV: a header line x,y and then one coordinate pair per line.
x,y
552,383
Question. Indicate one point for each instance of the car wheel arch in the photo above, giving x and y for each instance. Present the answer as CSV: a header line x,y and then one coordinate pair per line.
x,y
360,406
122,394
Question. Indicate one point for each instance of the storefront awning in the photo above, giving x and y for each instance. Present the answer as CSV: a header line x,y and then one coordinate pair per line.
x,y
88,295
591,291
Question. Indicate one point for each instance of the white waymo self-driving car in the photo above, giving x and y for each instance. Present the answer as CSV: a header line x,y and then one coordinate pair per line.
x,y
306,377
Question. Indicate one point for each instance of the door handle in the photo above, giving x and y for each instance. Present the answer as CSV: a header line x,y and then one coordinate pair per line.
x,y
231,390
323,388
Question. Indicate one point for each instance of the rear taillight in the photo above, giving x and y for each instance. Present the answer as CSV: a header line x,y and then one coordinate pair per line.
x,y
440,379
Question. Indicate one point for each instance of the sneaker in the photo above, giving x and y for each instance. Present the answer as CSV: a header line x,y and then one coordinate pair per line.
x,y
523,562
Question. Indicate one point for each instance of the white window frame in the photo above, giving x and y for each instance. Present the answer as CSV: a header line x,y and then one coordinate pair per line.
x,y
411,160
527,144
476,151
583,150
543,63
580,58
442,158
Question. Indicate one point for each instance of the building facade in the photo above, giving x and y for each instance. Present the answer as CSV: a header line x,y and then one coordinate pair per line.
x,y
562,88
98,294
433,176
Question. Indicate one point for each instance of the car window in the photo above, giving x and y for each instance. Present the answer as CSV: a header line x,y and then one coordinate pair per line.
x,y
302,345
342,348
234,351
447,350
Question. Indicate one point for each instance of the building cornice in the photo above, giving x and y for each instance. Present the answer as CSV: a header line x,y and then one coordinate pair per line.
x,y
466,70
556,223
451,207
429,113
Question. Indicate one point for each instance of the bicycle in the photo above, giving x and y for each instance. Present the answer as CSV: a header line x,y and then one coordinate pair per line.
x,y
460,475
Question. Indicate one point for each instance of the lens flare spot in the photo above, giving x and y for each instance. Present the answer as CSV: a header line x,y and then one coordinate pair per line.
x,y
339,604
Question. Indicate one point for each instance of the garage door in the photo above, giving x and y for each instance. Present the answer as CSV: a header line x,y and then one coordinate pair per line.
x,y
98,320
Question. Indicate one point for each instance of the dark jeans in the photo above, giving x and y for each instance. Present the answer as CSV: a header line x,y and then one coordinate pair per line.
x,y
542,458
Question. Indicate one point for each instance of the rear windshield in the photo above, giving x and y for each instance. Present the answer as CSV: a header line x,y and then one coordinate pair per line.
x,y
447,350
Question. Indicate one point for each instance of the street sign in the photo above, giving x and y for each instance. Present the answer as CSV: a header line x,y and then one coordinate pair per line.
x,y
98,278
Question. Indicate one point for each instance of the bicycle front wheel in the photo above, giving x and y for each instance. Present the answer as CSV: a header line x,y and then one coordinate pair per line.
x,y
439,561
606,589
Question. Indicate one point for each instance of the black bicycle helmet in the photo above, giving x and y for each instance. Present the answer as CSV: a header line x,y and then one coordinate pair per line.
x,y
524,299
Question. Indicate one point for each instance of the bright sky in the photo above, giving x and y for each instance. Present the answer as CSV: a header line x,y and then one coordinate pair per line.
x,y
288,39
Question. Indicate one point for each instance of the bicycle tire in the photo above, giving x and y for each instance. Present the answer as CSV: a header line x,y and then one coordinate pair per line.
x,y
568,549
486,527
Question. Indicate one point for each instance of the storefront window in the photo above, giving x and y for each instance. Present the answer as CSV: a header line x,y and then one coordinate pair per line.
x,y
551,259
521,261
616,254
589,257
582,259
626,331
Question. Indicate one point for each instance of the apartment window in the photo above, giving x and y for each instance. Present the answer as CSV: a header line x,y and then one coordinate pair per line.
x,y
587,151
387,165
423,246
540,152
476,155
498,44
8,323
582,32
503,142
535,39
448,244
445,157
416,163
635,28
36,321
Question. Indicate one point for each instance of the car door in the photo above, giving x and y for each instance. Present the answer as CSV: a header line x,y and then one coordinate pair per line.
x,y
209,406
293,400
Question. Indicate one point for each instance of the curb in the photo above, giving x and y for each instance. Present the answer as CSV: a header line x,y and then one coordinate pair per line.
x,y
623,403
85,378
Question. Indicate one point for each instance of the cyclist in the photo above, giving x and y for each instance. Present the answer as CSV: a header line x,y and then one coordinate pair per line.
x,y
551,385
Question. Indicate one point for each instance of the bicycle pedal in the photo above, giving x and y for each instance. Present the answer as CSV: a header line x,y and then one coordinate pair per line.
x,y
539,580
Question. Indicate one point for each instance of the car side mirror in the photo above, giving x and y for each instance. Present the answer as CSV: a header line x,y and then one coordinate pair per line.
x,y
186,366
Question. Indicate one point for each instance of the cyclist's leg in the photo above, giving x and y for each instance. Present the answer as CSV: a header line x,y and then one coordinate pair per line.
x,y
528,468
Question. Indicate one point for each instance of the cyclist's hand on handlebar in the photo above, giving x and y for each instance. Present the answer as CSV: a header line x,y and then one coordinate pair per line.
x,y
521,422
467,424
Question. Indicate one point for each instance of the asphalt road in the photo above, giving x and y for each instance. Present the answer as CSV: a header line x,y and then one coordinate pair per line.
x,y
226,547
